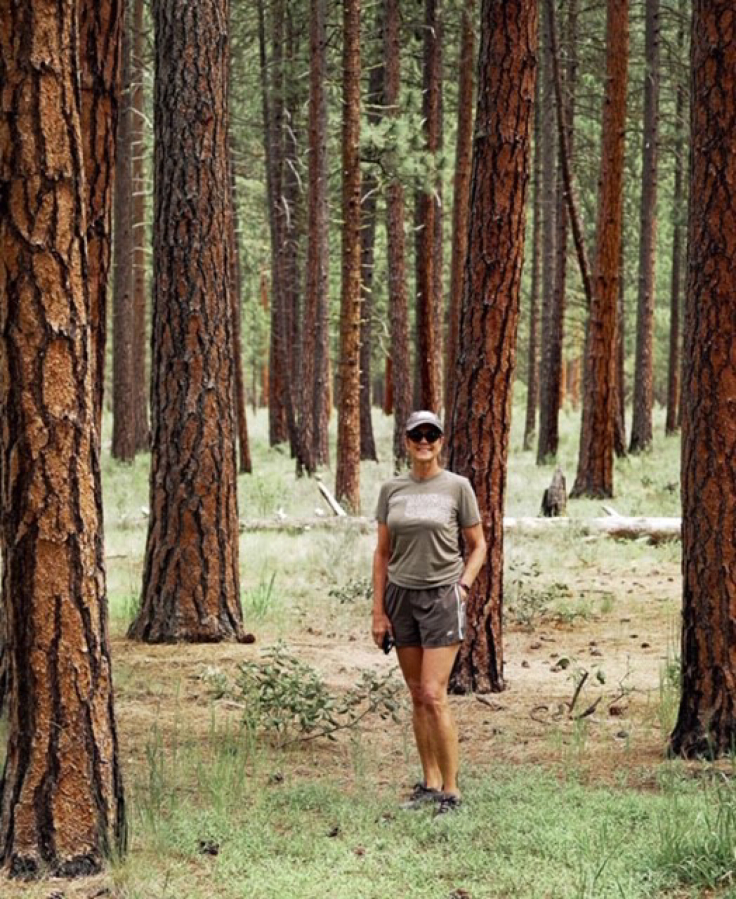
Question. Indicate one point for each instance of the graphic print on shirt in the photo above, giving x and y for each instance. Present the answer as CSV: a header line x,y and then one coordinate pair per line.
x,y
427,507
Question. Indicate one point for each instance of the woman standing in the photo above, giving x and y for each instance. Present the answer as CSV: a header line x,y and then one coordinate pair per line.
x,y
420,584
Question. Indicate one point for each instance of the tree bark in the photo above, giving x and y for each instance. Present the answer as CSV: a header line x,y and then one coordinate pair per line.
x,y
641,423
619,424
461,201
317,245
347,479
429,262
706,724
100,59
490,311
673,372
62,808
533,349
265,391
548,148
191,588
595,463
141,386
369,207
396,248
123,409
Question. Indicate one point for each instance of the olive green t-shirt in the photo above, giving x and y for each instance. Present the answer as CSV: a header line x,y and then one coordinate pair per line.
x,y
424,519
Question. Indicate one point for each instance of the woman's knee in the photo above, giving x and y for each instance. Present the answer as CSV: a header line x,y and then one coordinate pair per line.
x,y
433,697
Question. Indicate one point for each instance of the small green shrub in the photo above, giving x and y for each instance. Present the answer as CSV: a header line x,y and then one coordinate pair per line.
x,y
355,590
258,601
288,700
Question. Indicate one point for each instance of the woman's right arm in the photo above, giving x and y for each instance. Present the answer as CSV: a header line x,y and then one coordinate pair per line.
x,y
380,622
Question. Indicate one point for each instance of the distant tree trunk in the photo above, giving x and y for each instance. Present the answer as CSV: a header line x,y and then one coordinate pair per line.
x,y
388,390
490,311
317,245
368,241
428,260
191,588
123,377
641,423
706,724
273,104
100,60
347,481
461,201
595,464
533,351
62,808
619,425
241,422
397,290
546,447
673,373
264,403
141,386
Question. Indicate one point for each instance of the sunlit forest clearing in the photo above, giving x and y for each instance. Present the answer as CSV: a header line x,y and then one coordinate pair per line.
x,y
563,799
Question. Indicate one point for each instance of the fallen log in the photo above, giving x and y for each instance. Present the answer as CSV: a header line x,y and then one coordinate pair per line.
x,y
620,527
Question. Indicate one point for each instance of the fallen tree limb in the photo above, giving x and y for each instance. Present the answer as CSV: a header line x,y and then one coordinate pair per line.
x,y
656,530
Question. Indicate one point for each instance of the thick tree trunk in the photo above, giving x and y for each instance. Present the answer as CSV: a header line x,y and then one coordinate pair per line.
x,y
595,464
706,723
141,386
347,479
673,372
62,808
191,577
123,378
396,248
490,311
532,386
641,423
461,201
429,261
548,149
100,60
367,254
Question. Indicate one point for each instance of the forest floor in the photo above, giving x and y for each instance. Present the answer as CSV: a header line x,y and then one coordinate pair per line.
x,y
568,789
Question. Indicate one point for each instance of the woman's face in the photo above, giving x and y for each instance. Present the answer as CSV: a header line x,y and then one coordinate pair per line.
x,y
424,443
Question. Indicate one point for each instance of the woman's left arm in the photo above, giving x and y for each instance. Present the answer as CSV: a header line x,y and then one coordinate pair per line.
x,y
476,545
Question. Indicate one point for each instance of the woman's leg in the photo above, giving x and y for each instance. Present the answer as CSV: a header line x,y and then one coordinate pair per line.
x,y
438,721
411,662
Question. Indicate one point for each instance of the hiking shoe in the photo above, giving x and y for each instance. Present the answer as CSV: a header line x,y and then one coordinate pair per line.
x,y
420,796
446,803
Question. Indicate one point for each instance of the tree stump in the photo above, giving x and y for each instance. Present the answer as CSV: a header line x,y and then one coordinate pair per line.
x,y
554,500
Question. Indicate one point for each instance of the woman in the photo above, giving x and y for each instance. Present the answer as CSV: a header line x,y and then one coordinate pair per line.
x,y
420,584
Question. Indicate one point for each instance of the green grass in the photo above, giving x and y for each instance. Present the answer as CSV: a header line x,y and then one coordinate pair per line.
x,y
522,833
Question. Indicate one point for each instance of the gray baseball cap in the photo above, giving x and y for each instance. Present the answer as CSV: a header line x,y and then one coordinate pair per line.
x,y
423,417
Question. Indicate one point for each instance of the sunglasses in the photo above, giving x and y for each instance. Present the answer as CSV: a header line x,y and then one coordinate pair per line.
x,y
431,435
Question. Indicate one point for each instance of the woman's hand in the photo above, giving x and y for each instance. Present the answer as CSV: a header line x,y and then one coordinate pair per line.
x,y
379,627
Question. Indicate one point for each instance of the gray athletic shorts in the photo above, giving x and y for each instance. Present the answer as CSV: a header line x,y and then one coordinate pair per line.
x,y
431,617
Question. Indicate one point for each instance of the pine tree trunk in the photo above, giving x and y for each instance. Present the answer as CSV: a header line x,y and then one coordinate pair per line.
x,y
595,463
265,398
490,311
706,724
673,372
429,261
141,386
461,201
123,380
368,241
641,423
619,425
347,479
191,586
548,148
241,421
533,350
401,386
62,808
100,61
317,246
